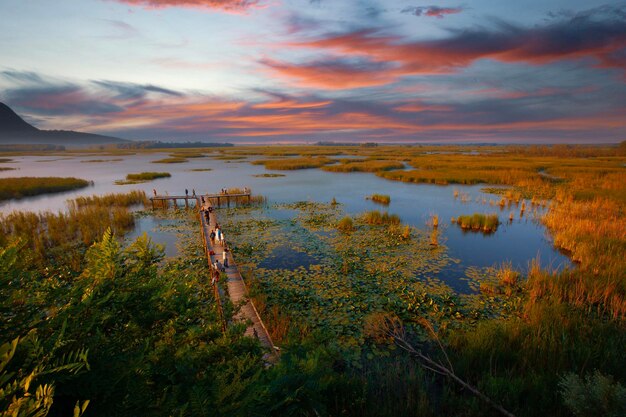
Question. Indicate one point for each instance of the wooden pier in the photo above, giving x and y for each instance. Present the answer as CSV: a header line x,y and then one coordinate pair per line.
x,y
237,290
197,198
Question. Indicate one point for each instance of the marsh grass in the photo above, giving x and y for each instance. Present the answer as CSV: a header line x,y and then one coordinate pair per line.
x,y
62,237
147,176
293,163
201,169
375,217
174,160
95,161
346,224
19,187
187,155
487,223
347,165
379,198
268,175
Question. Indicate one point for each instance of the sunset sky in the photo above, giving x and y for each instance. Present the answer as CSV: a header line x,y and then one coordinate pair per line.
x,y
256,71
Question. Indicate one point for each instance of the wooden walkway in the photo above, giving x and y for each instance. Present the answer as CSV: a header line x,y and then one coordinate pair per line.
x,y
237,290
198,198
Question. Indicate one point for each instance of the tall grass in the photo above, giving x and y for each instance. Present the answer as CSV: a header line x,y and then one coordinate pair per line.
x,y
479,222
117,200
380,198
293,163
60,236
173,160
147,176
375,217
347,165
19,187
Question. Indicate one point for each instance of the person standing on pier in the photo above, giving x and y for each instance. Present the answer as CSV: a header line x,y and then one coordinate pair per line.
x,y
218,234
212,236
193,192
186,192
225,257
154,191
222,239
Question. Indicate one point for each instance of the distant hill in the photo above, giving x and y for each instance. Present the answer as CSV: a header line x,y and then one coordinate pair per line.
x,y
14,130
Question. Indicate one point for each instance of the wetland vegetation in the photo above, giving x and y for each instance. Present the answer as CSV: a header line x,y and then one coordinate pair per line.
x,y
143,177
131,332
19,187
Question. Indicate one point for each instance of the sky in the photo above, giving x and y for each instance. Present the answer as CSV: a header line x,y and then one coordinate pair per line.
x,y
303,71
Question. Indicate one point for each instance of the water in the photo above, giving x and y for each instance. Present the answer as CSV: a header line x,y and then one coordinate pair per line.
x,y
518,242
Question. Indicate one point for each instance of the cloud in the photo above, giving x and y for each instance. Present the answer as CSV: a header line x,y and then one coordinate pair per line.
x,y
154,112
224,5
431,11
334,74
596,36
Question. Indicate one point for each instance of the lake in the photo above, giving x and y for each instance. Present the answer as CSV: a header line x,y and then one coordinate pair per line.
x,y
518,242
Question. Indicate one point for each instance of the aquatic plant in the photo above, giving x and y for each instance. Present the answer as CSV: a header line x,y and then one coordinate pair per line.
x,y
345,224
363,166
147,176
375,217
176,160
19,187
480,222
380,198
293,163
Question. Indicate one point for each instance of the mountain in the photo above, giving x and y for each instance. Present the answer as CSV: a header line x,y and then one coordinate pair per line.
x,y
14,130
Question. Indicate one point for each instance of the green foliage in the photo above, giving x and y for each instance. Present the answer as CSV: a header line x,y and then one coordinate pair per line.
x,y
26,368
596,395
19,187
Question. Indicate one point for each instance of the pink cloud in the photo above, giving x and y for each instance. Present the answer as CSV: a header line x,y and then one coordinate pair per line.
x,y
224,5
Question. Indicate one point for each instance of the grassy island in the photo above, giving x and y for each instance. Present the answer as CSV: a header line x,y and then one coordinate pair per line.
x,y
19,187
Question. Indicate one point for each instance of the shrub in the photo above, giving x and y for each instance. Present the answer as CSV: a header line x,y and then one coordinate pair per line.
x,y
596,395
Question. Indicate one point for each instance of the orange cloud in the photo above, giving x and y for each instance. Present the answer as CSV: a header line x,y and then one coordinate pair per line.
x,y
583,36
225,5
333,74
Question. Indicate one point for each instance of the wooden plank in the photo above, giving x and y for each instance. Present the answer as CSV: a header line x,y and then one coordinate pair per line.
x,y
237,290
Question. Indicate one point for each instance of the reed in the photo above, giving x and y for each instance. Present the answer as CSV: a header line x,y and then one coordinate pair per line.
x,y
176,160
147,176
375,217
293,163
364,166
345,224
486,223
380,198
62,237
187,155
19,187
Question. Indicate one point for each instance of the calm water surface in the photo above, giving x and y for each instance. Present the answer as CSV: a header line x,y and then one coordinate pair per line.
x,y
518,242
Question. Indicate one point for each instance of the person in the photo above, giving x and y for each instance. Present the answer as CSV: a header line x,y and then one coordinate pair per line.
x,y
212,236
218,234
202,199
215,276
225,257
154,191
218,266
193,192
222,239
186,192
